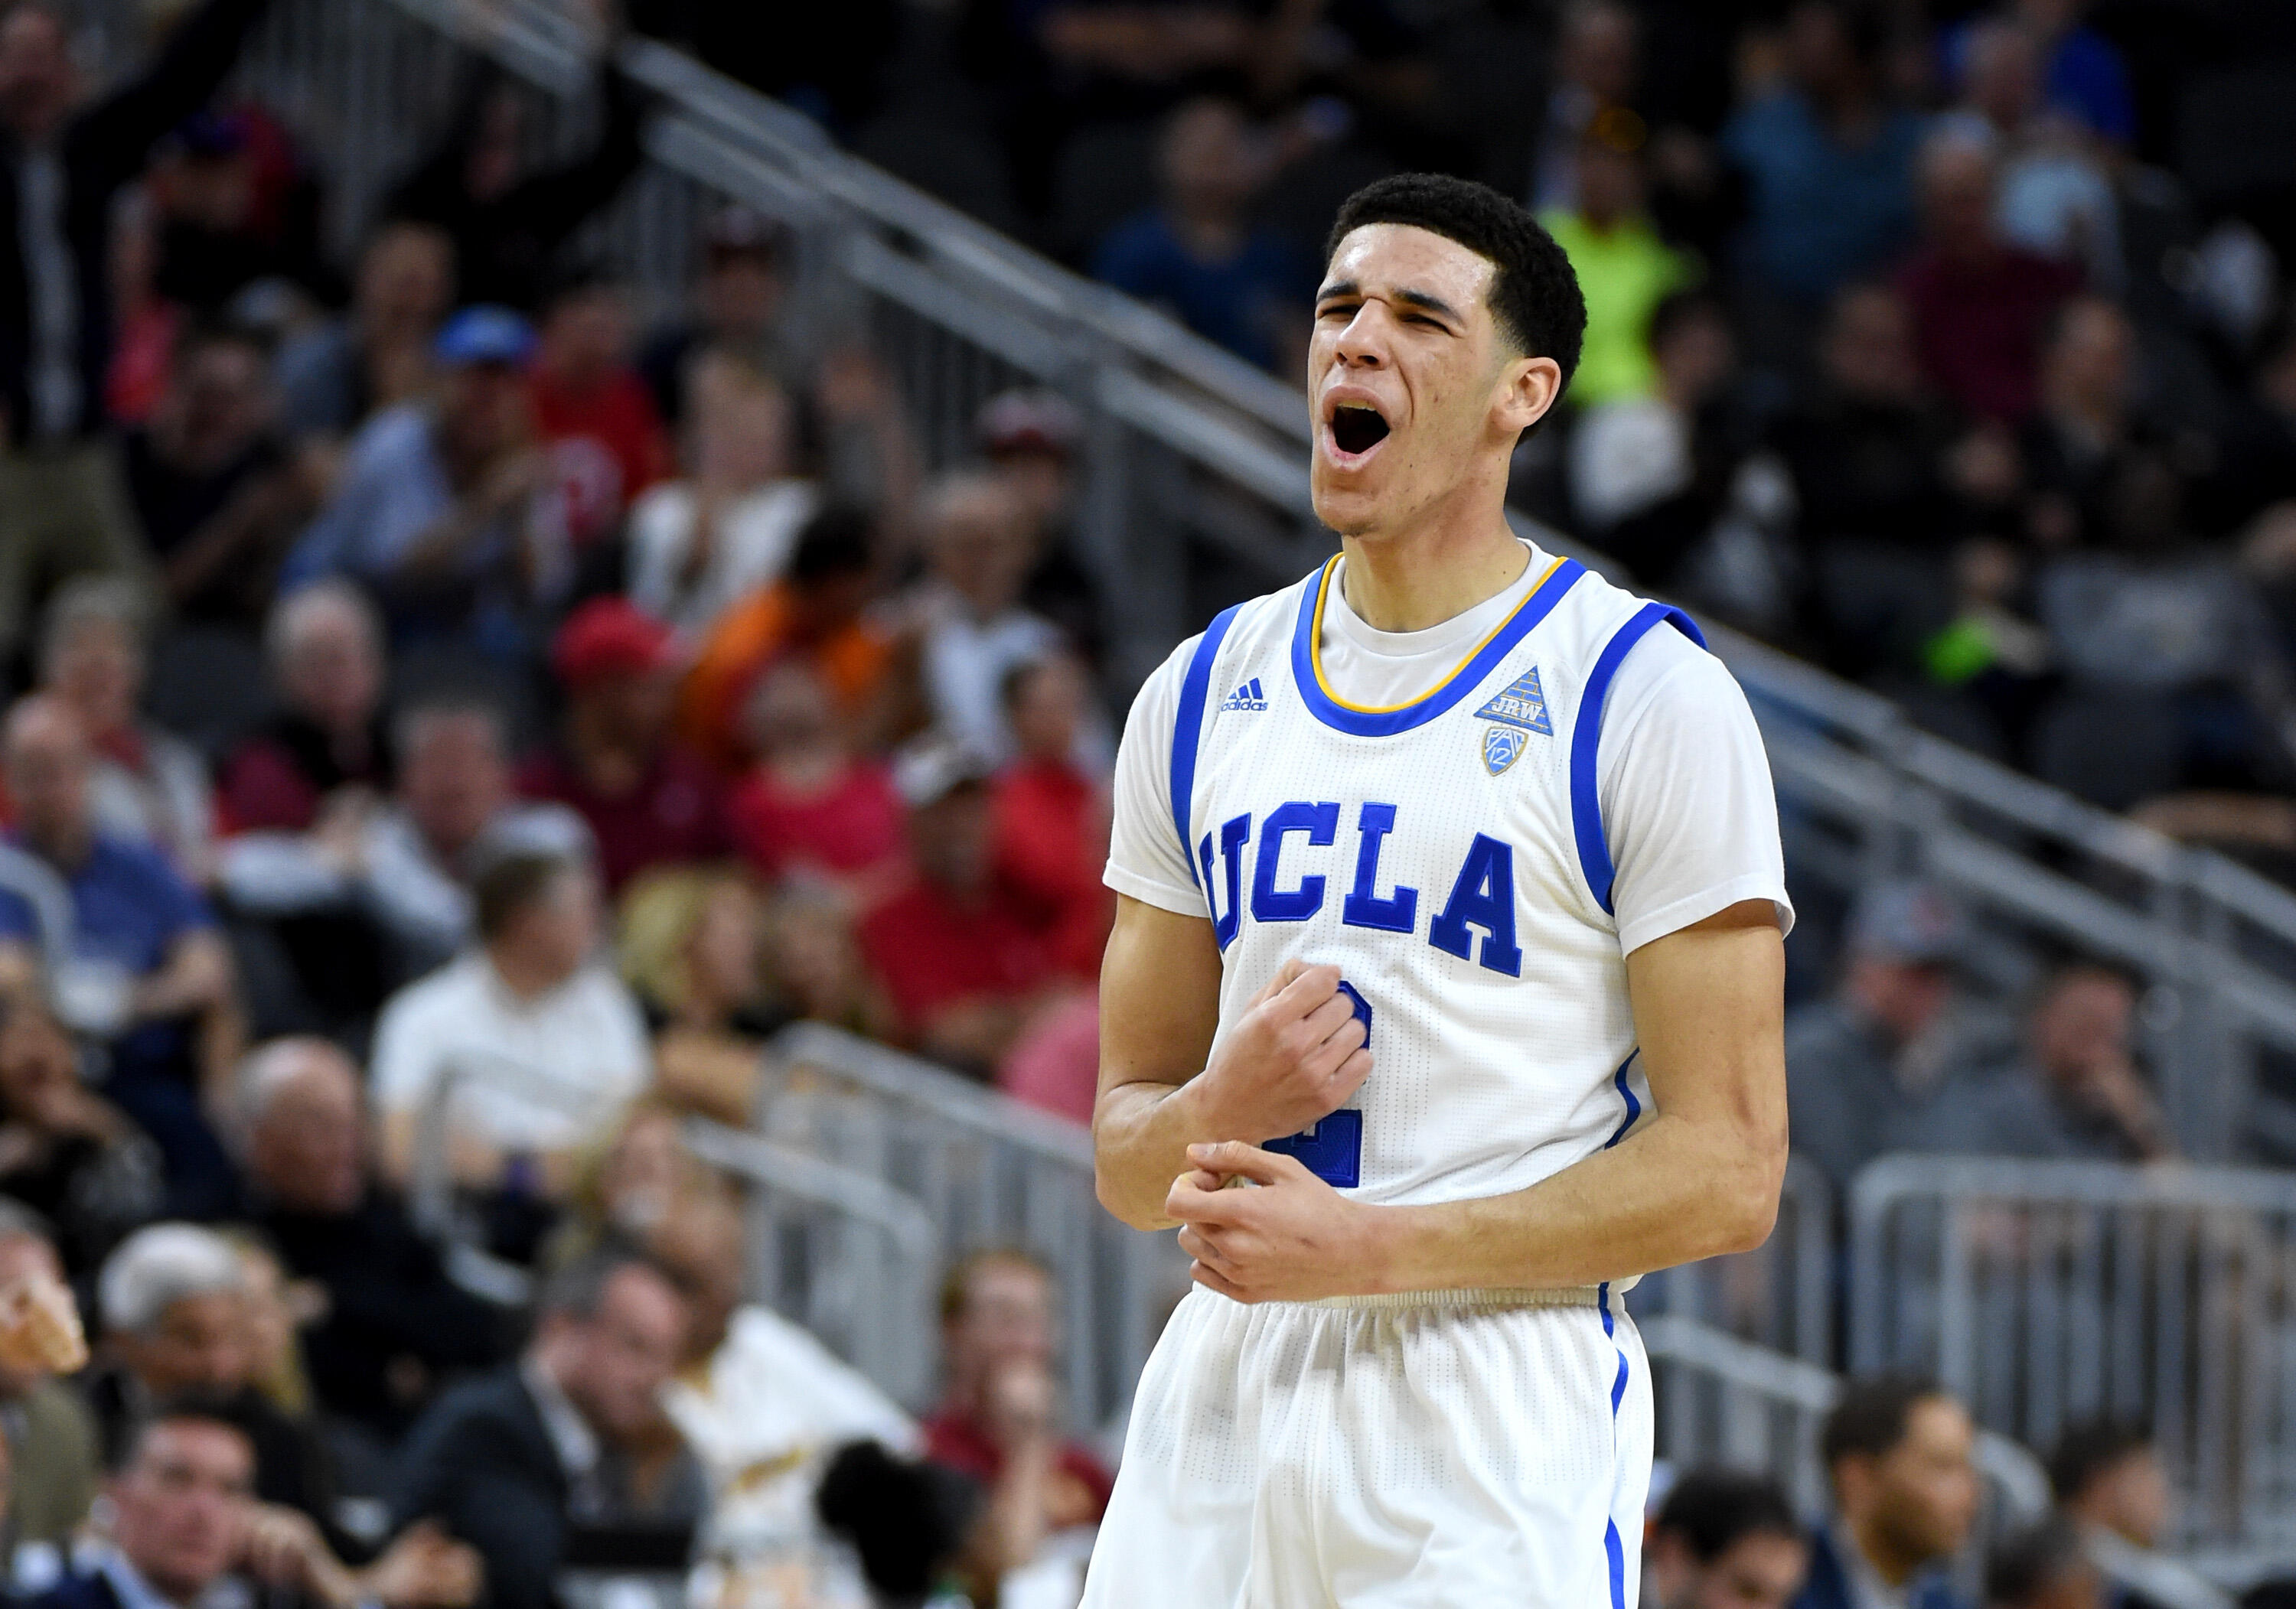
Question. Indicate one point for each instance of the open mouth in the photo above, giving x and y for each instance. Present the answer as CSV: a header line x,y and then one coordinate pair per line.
x,y
1357,430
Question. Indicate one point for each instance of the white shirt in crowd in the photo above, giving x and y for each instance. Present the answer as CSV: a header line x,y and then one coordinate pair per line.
x,y
763,1416
1681,775
754,537
539,1074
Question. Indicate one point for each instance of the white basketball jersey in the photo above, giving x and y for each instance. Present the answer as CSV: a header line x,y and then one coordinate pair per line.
x,y
1448,855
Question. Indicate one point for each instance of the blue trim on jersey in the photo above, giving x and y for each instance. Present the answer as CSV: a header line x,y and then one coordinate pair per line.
x,y
1469,675
1586,733
1188,727
1634,1106
1612,1546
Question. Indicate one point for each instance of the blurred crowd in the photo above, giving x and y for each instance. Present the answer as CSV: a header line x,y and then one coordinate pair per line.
x,y
457,714
1944,341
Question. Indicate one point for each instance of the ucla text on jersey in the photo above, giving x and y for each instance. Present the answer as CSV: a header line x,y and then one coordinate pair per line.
x,y
1448,855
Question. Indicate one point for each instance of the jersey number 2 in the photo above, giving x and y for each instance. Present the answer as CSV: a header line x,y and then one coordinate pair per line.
x,y
1332,1147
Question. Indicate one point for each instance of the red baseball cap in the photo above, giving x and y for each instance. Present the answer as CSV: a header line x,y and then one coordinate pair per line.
x,y
609,637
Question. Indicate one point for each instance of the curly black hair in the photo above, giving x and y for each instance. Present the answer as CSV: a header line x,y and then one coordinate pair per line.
x,y
1533,297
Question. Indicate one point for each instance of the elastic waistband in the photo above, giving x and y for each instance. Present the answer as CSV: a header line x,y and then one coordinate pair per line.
x,y
1569,1295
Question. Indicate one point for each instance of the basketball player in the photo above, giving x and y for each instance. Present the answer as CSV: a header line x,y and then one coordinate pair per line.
x,y
1451,911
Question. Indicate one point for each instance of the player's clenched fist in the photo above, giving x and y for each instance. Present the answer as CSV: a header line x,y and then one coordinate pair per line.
x,y
1293,1057
1294,1239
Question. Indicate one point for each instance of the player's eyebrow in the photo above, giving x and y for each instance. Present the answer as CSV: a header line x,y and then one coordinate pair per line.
x,y
1425,300
1336,289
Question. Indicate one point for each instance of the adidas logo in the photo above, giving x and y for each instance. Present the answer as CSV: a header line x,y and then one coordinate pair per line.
x,y
1246,696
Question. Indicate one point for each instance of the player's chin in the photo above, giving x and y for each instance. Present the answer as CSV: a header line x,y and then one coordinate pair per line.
x,y
1346,499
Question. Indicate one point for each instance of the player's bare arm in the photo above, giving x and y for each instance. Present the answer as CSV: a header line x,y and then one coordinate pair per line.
x,y
1698,1178
1296,1056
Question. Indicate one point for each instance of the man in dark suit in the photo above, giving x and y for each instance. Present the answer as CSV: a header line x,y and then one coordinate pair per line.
x,y
572,1440
1898,1452
184,1516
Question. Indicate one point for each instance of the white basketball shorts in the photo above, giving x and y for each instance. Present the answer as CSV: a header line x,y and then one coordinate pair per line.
x,y
1375,1455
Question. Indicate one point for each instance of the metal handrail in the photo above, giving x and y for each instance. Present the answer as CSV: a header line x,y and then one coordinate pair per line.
x,y
775,1166
887,1072
1780,1379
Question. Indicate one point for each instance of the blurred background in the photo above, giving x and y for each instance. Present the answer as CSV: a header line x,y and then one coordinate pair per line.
x,y
569,577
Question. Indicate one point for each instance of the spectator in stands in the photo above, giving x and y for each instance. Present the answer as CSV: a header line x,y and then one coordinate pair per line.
x,y
65,1151
218,501
182,1523
61,510
2110,1487
235,212
53,1455
2056,191
542,1040
700,544
762,1403
173,1298
1624,269
618,763
2042,1566
818,613
1898,1453
332,377
1596,66
2259,472
146,786
607,443
519,1461
2165,637
1828,160
811,807
692,945
1031,438
735,308
2086,425
955,951
374,893
150,975
1652,474
1979,303
1049,818
1887,480
1724,1540
328,735
448,512
2083,76
1864,1068
815,961
998,1420
976,540
1199,254
507,225
394,1323
2075,1094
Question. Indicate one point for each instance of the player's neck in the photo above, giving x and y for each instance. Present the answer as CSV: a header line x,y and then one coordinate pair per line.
x,y
1408,584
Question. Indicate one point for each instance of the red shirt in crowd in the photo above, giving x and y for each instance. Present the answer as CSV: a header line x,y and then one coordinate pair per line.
x,y
1051,835
675,814
1978,325
852,826
1080,1481
607,443
931,953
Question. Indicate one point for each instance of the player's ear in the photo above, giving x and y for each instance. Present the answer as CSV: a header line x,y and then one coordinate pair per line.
x,y
1527,387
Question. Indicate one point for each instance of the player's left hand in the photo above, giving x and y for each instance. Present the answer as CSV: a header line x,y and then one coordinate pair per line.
x,y
1293,1239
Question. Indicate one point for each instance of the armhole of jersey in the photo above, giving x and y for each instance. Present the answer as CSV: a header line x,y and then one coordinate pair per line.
x,y
1586,736
1188,730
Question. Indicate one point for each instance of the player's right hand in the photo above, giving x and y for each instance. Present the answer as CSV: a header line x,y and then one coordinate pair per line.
x,y
1294,1058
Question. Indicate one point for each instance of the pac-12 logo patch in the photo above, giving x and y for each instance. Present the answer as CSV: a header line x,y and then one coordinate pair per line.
x,y
1503,746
